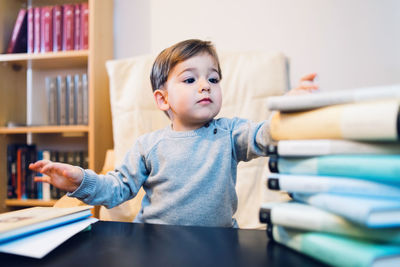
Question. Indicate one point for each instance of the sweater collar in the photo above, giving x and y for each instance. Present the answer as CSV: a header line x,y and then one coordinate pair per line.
x,y
197,132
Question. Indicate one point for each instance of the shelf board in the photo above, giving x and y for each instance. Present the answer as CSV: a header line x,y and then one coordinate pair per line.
x,y
78,58
45,129
30,202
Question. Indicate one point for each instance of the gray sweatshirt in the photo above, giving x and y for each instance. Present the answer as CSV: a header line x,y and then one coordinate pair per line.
x,y
189,177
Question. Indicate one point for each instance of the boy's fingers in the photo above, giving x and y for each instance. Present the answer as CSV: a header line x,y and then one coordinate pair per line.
x,y
308,77
45,179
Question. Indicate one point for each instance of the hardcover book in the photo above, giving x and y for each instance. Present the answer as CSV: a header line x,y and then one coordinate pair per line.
x,y
308,218
57,28
366,121
30,33
46,29
36,29
337,250
19,38
316,100
68,27
84,32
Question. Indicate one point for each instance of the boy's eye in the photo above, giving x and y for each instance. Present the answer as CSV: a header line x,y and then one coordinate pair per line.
x,y
189,80
213,80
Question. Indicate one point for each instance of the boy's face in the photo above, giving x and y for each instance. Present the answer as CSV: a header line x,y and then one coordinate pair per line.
x,y
192,93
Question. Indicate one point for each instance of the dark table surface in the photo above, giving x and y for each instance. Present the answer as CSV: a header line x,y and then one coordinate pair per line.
x,y
131,244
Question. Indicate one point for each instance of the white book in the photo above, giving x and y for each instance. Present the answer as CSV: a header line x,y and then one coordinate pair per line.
x,y
321,99
366,211
320,147
311,184
305,217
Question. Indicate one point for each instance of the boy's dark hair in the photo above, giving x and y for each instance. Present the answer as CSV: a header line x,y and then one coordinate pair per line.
x,y
171,56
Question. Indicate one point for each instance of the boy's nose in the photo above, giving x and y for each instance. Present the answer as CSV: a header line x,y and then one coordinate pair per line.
x,y
204,86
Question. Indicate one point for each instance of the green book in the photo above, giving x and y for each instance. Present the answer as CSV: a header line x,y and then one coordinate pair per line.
x,y
336,250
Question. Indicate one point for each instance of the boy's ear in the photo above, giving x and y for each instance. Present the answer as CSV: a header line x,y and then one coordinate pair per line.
x,y
161,97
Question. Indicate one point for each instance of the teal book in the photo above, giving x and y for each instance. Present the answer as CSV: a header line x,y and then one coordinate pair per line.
x,y
308,218
336,250
367,211
379,168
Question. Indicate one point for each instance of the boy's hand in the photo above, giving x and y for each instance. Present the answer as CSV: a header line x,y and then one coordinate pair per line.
x,y
305,86
63,176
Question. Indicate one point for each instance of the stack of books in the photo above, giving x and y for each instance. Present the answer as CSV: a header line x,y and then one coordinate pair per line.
x,y
338,157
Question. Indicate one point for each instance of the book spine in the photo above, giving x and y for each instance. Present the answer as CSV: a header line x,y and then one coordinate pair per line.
x,y
306,148
308,218
378,168
36,30
78,99
46,186
331,249
323,184
68,27
77,27
360,121
46,25
31,42
57,28
12,170
61,100
84,32
85,99
12,45
265,215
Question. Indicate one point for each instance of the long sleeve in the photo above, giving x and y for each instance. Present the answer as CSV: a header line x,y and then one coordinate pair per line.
x,y
116,186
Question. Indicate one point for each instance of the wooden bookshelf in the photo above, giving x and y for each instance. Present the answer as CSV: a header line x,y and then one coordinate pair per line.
x,y
22,91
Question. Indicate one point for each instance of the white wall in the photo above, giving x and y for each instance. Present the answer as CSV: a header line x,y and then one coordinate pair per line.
x,y
350,43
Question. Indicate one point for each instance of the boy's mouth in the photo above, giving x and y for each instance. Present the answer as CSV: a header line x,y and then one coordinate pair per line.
x,y
205,100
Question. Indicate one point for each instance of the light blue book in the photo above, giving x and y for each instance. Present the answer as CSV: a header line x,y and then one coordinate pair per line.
x,y
366,211
311,184
337,250
380,168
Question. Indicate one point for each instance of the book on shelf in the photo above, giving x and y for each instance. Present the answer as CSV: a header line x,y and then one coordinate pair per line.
x,y
77,26
57,28
85,99
51,94
308,218
61,100
364,121
36,29
70,106
19,38
30,33
46,29
378,168
320,147
84,22
78,108
311,184
367,211
336,250
68,27
290,103
22,230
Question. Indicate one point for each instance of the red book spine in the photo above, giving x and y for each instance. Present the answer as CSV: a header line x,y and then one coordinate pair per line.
x,y
16,31
46,26
84,40
30,30
57,28
36,29
19,174
68,27
77,27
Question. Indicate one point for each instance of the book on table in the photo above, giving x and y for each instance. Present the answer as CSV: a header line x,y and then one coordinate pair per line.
x,y
364,121
336,250
309,218
36,231
320,99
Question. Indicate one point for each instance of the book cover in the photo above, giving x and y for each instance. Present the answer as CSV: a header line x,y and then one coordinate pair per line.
x,y
367,211
36,29
336,250
68,27
27,221
320,147
310,184
46,29
85,100
308,218
57,28
77,27
30,33
364,121
378,168
321,99
84,32
19,38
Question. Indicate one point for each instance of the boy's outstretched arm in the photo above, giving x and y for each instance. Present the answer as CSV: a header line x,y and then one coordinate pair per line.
x,y
63,176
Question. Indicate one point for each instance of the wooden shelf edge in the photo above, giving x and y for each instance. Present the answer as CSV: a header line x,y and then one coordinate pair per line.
x,y
41,56
45,129
29,202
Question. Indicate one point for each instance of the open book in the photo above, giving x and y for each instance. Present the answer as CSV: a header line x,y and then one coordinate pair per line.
x,y
34,232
